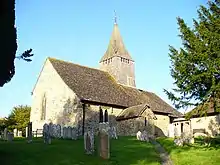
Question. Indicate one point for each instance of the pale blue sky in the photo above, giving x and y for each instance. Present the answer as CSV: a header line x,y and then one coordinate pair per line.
x,y
79,31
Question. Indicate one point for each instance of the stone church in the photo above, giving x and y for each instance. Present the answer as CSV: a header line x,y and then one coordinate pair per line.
x,y
74,95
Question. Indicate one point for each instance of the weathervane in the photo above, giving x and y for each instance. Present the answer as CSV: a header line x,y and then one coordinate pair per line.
x,y
115,17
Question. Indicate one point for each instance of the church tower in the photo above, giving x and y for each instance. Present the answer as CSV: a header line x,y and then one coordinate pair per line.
x,y
117,61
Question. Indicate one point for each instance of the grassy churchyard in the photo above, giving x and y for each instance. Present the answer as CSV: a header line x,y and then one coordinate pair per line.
x,y
124,151
196,154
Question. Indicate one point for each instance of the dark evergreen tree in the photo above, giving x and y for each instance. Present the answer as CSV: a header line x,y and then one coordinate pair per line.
x,y
8,42
195,67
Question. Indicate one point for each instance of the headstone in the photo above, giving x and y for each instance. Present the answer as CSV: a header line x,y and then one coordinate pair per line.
x,y
29,138
10,136
138,135
6,134
113,133
104,146
61,131
46,134
69,132
58,131
74,133
15,132
19,133
26,132
144,136
178,142
65,132
89,142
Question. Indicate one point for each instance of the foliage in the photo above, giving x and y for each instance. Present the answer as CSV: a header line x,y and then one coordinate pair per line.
x,y
8,42
124,151
3,122
199,152
19,118
195,67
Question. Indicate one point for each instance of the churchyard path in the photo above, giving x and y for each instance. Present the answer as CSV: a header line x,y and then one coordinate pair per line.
x,y
165,158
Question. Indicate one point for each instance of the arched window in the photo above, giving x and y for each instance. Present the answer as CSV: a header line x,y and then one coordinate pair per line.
x,y
43,107
100,115
106,116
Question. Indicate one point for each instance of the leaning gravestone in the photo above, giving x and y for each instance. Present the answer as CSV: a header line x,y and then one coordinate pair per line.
x,y
46,134
29,138
89,142
104,146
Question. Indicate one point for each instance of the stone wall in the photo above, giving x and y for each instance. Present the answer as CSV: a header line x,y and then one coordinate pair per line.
x,y
92,116
162,125
61,104
124,128
209,123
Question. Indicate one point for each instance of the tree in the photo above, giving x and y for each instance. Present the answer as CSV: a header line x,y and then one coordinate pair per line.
x,y
2,124
8,42
19,118
195,67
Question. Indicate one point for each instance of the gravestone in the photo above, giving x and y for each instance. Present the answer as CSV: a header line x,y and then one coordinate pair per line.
x,y
144,136
6,134
59,131
51,130
26,132
10,136
113,133
15,132
29,138
74,133
138,135
89,142
69,132
104,146
65,132
46,134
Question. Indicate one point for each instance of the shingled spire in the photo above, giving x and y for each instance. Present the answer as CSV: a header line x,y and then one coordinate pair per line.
x,y
117,61
116,45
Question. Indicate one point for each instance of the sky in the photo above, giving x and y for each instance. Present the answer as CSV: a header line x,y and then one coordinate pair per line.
x,y
79,31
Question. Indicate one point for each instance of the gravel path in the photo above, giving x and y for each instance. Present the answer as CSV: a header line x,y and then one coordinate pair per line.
x,y
165,158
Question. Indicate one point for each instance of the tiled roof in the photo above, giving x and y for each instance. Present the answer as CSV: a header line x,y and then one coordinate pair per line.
x,y
95,85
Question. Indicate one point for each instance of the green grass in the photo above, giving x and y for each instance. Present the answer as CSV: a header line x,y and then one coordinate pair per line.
x,y
124,151
196,154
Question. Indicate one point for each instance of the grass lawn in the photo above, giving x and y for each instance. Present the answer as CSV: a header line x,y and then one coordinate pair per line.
x,y
197,154
124,151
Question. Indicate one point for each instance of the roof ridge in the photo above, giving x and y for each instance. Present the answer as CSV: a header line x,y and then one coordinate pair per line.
x,y
52,58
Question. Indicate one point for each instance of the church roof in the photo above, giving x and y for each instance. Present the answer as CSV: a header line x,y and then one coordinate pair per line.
x,y
98,86
136,111
116,46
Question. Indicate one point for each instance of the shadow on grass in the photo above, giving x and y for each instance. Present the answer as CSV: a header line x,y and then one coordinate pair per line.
x,y
124,151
